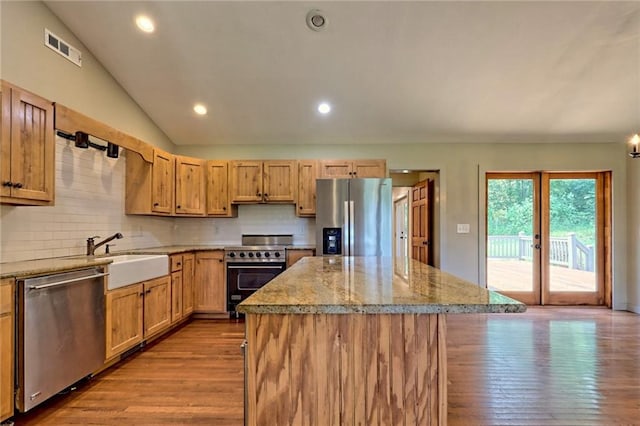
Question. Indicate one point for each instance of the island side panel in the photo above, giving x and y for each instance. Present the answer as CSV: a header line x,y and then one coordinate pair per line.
x,y
316,369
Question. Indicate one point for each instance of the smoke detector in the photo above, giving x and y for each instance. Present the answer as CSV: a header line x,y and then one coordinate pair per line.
x,y
316,20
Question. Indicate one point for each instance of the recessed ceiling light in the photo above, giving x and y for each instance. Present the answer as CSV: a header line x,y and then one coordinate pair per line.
x,y
324,108
200,109
145,23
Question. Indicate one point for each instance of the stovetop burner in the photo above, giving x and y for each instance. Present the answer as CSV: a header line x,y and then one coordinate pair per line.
x,y
259,248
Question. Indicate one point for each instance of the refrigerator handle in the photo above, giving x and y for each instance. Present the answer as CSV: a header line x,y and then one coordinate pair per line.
x,y
345,230
352,219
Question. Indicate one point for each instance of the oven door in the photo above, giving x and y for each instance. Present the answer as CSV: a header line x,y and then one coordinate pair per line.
x,y
243,279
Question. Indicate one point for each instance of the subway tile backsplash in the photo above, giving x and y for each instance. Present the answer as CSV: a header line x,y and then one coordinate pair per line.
x,y
90,201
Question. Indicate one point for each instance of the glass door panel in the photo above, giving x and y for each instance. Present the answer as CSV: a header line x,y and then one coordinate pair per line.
x,y
513,237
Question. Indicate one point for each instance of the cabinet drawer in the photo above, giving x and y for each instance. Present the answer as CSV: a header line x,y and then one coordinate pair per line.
x,y
6,299
176,263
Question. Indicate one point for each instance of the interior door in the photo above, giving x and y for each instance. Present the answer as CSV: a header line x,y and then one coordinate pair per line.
x,y
401,222
421,201
547,238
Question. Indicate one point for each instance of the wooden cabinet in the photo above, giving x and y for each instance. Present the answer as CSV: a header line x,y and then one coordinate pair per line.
x,y
135,313
150,186
27,146
181,286
353,168
188,264
157,305
293,255
7,318
210,285
190,186
307,175
218,200
272,181
176,296
123,319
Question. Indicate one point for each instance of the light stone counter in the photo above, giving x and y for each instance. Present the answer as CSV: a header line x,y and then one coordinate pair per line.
x,y
370,345
27,268
371,285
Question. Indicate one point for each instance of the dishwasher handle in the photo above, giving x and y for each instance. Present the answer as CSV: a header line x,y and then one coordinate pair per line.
x,y
73,280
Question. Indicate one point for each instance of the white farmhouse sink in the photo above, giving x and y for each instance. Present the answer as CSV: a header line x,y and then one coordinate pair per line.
x,y
132,268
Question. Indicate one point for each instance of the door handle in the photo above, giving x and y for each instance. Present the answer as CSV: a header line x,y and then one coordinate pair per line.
x,y
536,246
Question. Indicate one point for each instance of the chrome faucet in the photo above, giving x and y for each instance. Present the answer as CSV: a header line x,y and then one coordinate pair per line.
x,y
92,246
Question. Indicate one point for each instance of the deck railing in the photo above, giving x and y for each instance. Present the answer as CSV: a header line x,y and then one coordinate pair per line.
x,y
563,251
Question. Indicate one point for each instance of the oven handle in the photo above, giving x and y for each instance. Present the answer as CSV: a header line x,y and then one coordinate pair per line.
x,y
263,266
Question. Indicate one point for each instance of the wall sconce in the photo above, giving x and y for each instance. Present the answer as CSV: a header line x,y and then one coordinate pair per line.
x,y
634,143
82,140
112,150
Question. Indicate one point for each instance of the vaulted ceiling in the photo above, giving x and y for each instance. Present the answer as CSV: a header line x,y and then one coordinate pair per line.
x,y
393,71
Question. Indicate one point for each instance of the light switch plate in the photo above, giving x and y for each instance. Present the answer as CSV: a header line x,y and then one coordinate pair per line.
x,y
463,228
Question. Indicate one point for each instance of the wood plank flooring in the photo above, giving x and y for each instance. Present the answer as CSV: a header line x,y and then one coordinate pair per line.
x,y
548,366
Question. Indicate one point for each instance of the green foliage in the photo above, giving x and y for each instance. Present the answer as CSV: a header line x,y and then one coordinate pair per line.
x,y
510,207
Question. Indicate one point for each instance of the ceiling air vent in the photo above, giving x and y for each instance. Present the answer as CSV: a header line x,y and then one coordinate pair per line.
x,y
63,48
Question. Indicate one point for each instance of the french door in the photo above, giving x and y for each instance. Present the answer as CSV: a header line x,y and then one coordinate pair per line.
x,y
548,237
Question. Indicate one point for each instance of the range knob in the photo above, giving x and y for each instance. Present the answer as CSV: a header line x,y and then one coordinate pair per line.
x,y
277,254
250,254
258,254
232,255
267,254
241,254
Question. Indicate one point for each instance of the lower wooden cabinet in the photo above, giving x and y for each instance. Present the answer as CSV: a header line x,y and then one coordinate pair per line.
x,y
136,312
210,285
293,255
188,264
7,288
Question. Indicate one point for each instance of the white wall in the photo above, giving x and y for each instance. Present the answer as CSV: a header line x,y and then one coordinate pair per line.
x,y
633,234
91,90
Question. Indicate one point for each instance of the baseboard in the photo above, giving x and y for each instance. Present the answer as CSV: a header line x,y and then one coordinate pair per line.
x,y
632,308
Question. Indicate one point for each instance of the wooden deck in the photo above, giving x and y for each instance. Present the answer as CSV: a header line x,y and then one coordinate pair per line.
x,y
515,275
547,366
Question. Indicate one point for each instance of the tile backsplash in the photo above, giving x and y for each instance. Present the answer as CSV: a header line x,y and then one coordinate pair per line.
x,y
90,201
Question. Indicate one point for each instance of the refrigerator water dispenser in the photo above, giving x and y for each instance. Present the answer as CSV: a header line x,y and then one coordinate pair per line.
x,y
332,241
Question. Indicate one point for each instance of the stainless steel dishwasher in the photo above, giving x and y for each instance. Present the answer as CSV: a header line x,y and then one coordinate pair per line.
x,y
61,333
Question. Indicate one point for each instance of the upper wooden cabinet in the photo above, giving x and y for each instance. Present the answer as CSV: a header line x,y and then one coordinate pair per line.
x,y
218,200
27,168
270,181
190,186
150,186
307,175
353,168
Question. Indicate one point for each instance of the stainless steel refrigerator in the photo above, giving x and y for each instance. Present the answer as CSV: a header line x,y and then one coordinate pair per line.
x,y
353,217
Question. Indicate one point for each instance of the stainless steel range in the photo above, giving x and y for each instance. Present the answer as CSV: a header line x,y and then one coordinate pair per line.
x,y
252,265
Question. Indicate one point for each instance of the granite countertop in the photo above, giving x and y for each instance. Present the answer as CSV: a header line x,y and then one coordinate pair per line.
x,y
372,285
26,268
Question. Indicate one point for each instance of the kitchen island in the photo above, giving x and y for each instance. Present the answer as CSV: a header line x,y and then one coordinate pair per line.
x,y
355,340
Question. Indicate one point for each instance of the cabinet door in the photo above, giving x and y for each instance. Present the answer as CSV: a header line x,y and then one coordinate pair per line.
x,y
190,186
6,348
246,181
157,305
335,169
162,182
370,168
307,174
176,296
280,181
210,286
31,147
123,319
5,141
188,261
293,255
218,188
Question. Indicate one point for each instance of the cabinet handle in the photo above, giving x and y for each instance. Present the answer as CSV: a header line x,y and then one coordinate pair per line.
x,y
220,260
224,209
142,294
156,204
17,185
300,207
7,183
148,291
266,195
178,207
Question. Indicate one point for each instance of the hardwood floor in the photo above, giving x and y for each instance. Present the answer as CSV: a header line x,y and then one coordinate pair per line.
x,y
548,366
